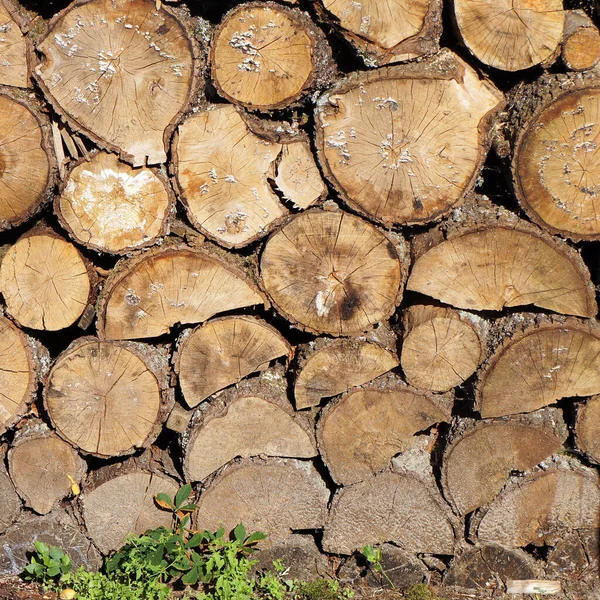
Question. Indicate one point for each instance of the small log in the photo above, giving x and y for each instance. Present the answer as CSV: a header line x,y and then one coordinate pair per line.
x,y
541,508
46,282
389,507
26,184
9,499
533,586
23,361
331,272
267,56
119,499
141,81
586,428
58,528
554,123
108,206
222,352
384,137
15,48
481,456
581,41
362,431
486,258
43,467
574,558
298,177
328,368
511,35
441,347
545,359
254,418
272,495
387,31
145,296
221,170
485,566
109,398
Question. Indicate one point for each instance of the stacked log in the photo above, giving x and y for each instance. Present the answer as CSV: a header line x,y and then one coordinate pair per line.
x,y
229,261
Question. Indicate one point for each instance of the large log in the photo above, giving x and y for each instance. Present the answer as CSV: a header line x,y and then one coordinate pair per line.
x,y
485,258
331,272
361,432
114,69
145,296
384,137
267,56
253,418
109,398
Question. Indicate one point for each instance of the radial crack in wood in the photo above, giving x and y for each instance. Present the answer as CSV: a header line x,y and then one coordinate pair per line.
x,y
224,351
331,368
267,56
541,508
274,496
542,363
145,296
27,162
116,68
46,283
361,432
222,170
480,457
384,137
511,34
108,206
43,467
15,48
254,418
389,507
331,272
108,398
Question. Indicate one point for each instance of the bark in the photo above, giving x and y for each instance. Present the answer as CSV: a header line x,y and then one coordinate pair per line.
x,y
383,137
586,428
9,499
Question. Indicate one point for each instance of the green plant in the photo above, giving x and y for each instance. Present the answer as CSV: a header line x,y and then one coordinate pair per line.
x,y
47,565
420,591
273,586
323,589
373,558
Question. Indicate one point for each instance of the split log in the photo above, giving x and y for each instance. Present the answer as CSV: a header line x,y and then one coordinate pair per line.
x,y
554,124
59,528
15,48
109,398
331,272
384,137
486,258
483,566
328,368
574,558
114,69
221,170
254,418
387,31
145,296
108,206
222,352
9,499
274,496
481,456
511,35
541,508
361,432
581,41
46,282
43,467
23,361
545,359
586,428
389,507
441,347
298,177
119,499
267,56
24,184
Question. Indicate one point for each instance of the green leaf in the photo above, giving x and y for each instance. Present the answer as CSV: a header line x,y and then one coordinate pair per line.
x,y
164,501
188,507
156,556
191,578
239,533
257,536
196,540
53,571
219,533
183,494
41,548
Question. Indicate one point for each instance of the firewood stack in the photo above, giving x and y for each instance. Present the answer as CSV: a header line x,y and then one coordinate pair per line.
x,y
275,255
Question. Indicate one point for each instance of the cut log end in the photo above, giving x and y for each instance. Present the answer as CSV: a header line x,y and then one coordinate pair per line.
x,y
581,42
16,50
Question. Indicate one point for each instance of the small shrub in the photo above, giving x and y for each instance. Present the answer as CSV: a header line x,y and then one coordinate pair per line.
x,y
47,565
